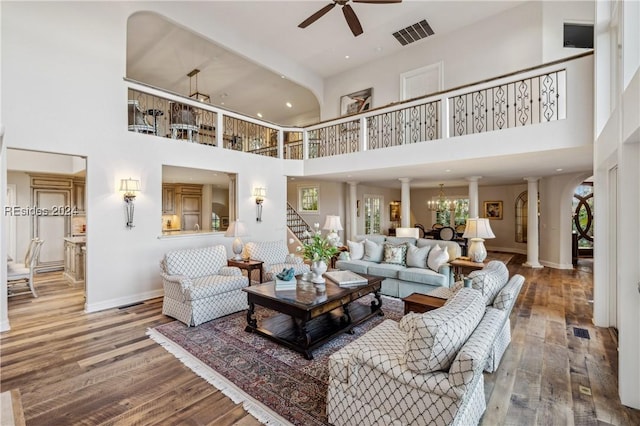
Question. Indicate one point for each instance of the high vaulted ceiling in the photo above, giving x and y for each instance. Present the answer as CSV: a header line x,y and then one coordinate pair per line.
x,y
162,53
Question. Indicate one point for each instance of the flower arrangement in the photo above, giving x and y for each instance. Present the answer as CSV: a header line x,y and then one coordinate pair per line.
x,y
315,248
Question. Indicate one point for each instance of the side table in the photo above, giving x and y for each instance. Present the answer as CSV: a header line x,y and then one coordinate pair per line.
x,y
462,266
248,265
420,303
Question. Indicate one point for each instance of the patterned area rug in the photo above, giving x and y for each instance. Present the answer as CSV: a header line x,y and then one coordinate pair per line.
x,y
275,384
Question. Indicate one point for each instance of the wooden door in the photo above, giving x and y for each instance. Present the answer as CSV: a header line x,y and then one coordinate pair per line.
x,y
51,225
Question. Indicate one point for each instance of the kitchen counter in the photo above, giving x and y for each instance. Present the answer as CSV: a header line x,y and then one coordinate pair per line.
x,y
74,256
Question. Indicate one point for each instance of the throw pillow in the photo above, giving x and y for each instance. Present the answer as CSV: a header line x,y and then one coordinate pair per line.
x,y
395,254
437,257
417,257
356,249
435,337
373,252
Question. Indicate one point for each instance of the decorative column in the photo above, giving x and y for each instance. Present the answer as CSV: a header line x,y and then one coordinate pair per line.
x,y
352,224
473,196
405,200
532,223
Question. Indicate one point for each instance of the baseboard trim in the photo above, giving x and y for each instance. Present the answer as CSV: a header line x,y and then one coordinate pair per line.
x,y
506,249
128,300
556,265
5,326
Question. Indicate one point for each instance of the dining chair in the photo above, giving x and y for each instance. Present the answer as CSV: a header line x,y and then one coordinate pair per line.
x,y
446,233
23,273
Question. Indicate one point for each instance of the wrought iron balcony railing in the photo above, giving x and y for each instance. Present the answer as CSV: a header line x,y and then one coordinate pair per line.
x,y
533,96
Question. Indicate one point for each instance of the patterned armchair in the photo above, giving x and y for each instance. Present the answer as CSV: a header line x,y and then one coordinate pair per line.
x,y
426,369
276,257
199,286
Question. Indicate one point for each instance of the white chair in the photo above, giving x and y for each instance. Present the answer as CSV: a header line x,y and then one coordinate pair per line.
x,y
137,119
23,272
182,122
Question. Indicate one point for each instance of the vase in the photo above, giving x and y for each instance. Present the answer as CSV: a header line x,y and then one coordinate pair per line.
x,y
318,268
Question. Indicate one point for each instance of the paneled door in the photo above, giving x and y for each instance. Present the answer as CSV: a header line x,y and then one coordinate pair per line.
x,y
53,226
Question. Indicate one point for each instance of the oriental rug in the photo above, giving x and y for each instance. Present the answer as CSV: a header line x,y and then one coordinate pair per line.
x,y
275,384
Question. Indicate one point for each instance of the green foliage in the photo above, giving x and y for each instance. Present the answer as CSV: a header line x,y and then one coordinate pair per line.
x,y
317,248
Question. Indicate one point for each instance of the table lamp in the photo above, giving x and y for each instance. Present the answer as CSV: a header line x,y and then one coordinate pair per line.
x,y
237,229
477,230
333,225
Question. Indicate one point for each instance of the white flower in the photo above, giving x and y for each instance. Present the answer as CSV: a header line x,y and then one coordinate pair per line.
x,y
290,240
299,248
306,234
316,225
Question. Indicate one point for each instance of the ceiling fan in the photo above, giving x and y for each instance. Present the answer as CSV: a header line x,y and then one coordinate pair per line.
x,y
347,10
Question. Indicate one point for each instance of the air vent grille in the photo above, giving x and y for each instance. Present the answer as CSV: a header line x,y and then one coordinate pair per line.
x,y
413,32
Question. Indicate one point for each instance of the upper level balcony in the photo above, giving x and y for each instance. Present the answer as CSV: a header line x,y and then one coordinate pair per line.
x,y
548,107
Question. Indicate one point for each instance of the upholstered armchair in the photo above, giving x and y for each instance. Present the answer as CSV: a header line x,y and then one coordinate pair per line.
x,y
276,257
199,286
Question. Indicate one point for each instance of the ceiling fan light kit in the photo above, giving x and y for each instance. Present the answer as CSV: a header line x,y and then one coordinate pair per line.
x,y
348,12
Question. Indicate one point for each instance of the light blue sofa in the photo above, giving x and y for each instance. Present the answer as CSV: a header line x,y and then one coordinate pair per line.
x,y
401,281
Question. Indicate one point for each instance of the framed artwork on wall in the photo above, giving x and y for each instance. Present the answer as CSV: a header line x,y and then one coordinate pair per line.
x,y
493,209
394,211
356,102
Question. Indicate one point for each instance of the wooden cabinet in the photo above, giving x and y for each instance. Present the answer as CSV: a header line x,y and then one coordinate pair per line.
x,y
168,199
77,195
74,259
184,201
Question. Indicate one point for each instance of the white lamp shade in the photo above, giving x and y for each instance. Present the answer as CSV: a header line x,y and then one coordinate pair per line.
x,y
129,185
478,228
408,232
236,229
332,223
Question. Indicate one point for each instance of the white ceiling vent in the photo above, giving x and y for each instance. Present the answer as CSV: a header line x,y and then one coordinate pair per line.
x,y
413,32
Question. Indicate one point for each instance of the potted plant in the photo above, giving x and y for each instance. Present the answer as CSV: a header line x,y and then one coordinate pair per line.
x,y
319,251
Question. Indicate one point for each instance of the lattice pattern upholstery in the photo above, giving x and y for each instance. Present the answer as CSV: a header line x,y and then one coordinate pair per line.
x,y
371,385
490,280
434,337
199,287
276,257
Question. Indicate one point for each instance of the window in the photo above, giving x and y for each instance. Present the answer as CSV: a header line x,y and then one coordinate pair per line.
x,y
521,217
372,214
460,215
308,199
583,215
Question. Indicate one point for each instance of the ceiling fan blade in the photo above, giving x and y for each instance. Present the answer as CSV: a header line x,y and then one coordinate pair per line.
x,y
352,20
319,14
377,1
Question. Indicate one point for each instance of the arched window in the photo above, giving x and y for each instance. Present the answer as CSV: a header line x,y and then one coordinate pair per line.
x,y
521,217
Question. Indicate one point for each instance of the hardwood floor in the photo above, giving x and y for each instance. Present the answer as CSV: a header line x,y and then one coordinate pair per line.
x,y
101,369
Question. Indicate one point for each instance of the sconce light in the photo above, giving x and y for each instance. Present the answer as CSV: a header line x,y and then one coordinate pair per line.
x,y
259,193
129,187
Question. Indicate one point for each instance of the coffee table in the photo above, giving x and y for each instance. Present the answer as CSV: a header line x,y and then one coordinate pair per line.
x,y
307,317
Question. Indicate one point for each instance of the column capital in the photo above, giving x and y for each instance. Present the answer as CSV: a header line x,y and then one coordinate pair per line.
x,y
532,178
473,178
404,180
352,183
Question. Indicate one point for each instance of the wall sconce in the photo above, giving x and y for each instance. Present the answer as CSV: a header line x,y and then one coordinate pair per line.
x,y
129,187
259,193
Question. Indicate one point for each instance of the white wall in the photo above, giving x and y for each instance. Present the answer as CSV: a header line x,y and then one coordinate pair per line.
x,y
554,15
500,44
618,145
84,63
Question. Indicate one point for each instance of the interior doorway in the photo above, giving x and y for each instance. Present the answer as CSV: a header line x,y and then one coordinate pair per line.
x,y
46,195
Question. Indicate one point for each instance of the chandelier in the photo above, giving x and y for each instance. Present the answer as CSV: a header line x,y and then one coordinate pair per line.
x,y
195,94
443,204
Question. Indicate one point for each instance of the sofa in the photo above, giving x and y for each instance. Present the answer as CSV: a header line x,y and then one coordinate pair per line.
x,y
199,286
276,257
408,265
427,368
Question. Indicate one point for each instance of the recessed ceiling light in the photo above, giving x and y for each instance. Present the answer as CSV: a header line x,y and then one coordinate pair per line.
x,y
346,56
259,114
559,170
378,49
448,171
288,104
282,76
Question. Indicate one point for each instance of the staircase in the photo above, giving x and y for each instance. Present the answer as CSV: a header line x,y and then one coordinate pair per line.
x,y
296,223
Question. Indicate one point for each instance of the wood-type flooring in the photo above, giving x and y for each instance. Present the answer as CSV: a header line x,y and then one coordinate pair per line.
x,y
101,369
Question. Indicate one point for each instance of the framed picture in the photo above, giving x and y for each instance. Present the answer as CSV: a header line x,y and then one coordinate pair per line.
x,y
493,209
394,211
225,222
356,102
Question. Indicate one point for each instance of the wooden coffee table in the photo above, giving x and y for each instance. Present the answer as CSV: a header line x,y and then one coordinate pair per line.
x,y
307,318
420,303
